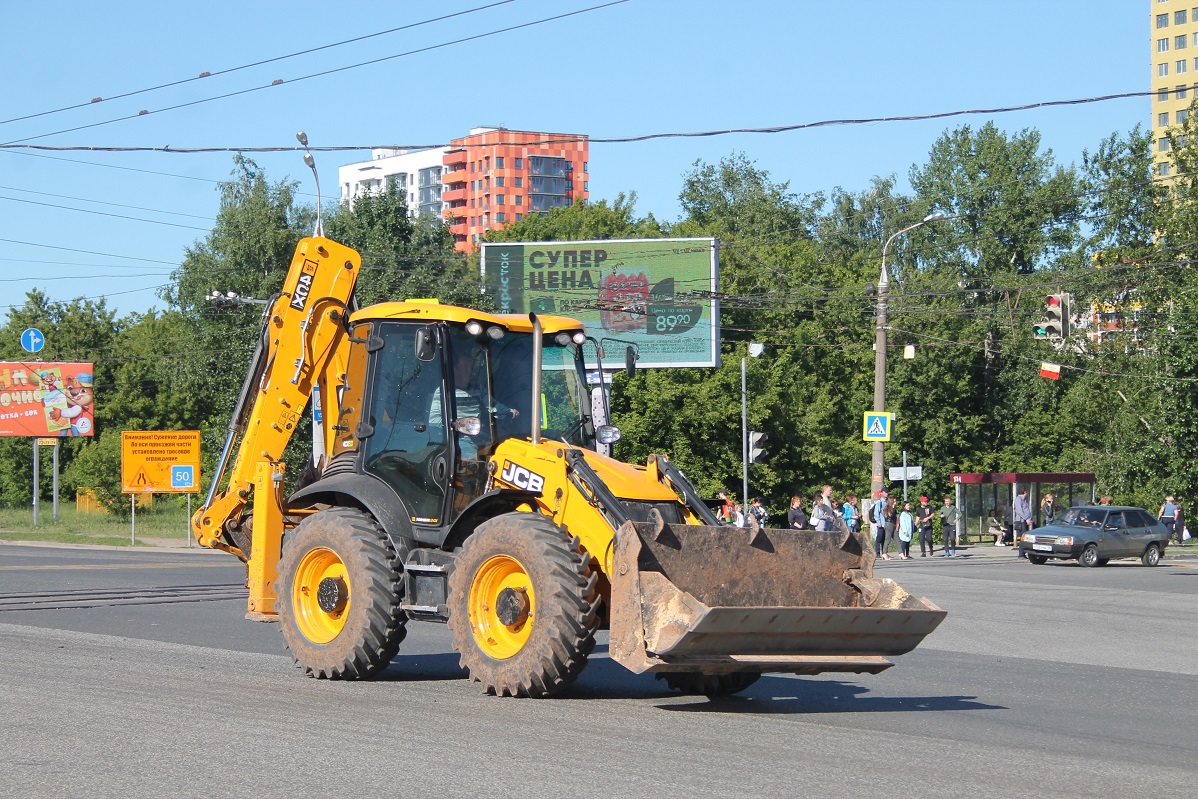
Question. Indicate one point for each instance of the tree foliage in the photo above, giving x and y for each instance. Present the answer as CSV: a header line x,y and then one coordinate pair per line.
x,y
795,274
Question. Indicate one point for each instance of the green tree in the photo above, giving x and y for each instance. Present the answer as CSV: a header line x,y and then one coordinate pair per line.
x,y
402,257
1012,208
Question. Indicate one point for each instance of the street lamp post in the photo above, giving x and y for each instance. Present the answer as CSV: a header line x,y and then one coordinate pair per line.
x,y
755,349
879,453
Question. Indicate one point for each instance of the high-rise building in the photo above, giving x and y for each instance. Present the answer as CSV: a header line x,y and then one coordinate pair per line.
x,y
486,180
1174,71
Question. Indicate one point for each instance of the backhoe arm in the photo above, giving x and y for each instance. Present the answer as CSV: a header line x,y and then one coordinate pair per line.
x,y
303,331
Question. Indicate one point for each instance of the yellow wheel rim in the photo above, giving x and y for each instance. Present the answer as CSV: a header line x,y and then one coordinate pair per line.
x,y
320,624
490,607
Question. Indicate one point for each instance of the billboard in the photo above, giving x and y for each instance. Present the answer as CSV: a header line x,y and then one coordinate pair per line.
x,y
46,399
656,294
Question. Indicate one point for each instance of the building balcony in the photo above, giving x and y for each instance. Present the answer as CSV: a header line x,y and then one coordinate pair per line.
x,y
453,195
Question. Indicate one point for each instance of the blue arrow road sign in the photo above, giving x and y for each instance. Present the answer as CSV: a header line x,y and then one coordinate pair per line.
x,y
182,476
32,340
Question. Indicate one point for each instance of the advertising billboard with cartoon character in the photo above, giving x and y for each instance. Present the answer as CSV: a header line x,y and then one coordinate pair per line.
x,y
47,399
657,295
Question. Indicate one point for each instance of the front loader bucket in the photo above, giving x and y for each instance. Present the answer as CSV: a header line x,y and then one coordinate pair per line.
x,y
694,598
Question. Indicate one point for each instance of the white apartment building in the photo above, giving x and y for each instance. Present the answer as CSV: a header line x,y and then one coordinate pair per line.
x,y
418,172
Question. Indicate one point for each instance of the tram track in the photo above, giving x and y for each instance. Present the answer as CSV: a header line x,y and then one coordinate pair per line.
x,y
84,598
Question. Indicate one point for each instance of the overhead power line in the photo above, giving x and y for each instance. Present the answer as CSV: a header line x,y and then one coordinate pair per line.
x,y
21,143
210,74
281,82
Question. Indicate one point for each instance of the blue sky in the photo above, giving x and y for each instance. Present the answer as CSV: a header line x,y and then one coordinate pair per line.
x,y
644,66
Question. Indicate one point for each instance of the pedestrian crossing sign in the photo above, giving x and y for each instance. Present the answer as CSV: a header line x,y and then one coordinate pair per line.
x,y
877,426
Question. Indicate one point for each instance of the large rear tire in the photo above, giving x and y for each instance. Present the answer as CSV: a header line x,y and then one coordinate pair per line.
x,y
523,606
339,591
710,685
1151,556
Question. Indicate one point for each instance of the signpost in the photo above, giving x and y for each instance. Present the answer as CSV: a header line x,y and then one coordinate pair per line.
x,y
906,474
159,462
877,426
32,340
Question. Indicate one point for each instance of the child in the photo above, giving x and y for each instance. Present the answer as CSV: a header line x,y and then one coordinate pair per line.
x,y
906,531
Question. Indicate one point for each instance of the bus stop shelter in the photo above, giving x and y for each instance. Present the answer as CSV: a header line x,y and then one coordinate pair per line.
x,y
979,493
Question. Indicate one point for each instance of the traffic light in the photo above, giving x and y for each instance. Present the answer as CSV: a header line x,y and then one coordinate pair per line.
x,y
756,450
1055,324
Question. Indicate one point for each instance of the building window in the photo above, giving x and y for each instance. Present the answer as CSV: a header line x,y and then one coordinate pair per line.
x,y
1162,46
519,200
499,158
472,163
1162,95
1162,145
1162,20
1162,168
499,217
487,160
519,163
1181,67
586,166
519,183
1181,92
499,181
1181,116
586,185
499,199
1179,42
1162,70
1179,17
1162,119
519,217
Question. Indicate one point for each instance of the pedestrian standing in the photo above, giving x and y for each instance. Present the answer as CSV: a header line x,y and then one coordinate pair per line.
x,y
877,516
758,512
796,517
891,525
948,526
1048,509
850,514
819,513
906,531
725,511
738,516
1021,515
923,518
1180,524
1168,515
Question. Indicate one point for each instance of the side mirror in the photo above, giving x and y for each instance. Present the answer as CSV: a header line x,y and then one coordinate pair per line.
x,y
629,361
426,344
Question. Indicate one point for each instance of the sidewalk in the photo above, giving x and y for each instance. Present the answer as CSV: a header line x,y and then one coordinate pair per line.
x,y
987,551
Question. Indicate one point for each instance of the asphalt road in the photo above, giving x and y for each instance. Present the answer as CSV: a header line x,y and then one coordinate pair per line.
x,y
133,674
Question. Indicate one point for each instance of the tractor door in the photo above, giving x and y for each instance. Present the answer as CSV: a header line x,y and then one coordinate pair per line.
x,y
405,448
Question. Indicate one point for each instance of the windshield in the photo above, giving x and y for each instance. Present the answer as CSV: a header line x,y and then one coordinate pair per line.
x,y
565,400
1084,517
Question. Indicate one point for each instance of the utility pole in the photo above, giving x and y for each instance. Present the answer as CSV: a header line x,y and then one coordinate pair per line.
x,y
879,452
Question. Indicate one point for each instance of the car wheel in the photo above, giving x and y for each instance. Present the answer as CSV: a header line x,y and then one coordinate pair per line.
x,y
1037,560
1151,556
1089,557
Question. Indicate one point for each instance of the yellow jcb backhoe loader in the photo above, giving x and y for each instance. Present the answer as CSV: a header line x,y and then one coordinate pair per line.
x,y
459,481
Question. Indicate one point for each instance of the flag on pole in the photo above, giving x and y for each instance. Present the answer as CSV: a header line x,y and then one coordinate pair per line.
x,y
1050,370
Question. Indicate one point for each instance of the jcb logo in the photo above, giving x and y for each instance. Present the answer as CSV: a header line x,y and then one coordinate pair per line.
x,y
522,478
304,286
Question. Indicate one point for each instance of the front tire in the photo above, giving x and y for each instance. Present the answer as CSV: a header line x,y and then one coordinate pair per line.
x,y
710,685
1089,557
1151,556
523,606
1037,560
339,594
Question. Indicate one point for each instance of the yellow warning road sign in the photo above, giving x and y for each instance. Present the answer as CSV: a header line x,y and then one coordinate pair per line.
x,y
160,461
